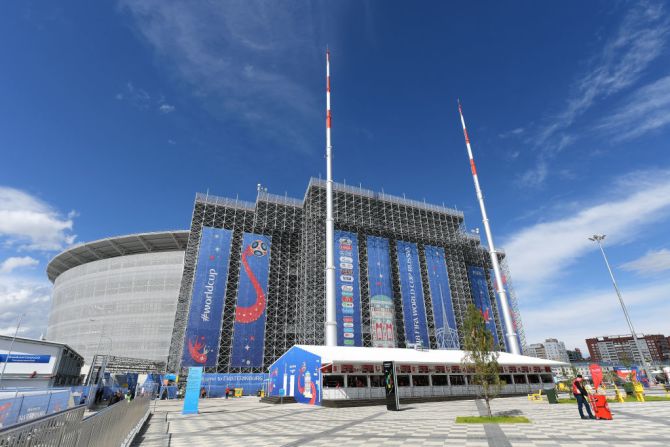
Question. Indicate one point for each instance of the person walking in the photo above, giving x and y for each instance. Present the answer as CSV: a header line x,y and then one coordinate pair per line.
x,y
582,397
227,391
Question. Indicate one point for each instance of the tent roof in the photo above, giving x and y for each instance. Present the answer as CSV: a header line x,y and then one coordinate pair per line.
x,y
342,354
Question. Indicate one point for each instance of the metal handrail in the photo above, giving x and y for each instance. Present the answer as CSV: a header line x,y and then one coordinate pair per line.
x,y
116,425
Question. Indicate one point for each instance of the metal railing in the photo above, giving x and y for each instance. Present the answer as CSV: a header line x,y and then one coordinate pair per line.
x,y
422,391
116,425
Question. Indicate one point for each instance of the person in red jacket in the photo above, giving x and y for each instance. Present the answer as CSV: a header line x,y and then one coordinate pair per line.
x,y
582,396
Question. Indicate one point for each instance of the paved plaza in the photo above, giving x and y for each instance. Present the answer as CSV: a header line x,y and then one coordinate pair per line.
x,y
247,422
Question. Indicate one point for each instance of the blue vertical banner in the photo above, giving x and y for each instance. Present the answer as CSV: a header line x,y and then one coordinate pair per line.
x,y
413,304
482,300
192,396
446,334
499,307
347,289
382,314
250,309
203,330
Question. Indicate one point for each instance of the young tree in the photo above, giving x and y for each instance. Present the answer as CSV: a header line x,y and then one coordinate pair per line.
x,y
481,356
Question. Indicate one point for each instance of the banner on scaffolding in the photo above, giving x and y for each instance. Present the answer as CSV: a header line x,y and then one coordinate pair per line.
x,y
347,289
413,304
481,298
382,315
203,330
446,334
250,309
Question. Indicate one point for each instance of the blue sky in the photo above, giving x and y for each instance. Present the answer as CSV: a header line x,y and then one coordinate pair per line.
x,y
113,114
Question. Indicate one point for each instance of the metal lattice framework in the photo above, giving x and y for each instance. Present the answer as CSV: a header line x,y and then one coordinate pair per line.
x,y
296,291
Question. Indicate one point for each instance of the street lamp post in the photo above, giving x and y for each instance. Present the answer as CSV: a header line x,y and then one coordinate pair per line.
x,y
598,238
11,346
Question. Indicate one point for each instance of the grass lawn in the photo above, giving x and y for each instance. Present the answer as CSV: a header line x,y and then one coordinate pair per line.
x,y
492,420
626,399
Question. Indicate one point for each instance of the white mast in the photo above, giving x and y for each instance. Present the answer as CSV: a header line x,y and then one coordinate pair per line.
x,y
510,333
331,323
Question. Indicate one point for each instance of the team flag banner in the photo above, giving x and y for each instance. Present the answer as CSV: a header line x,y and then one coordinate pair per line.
x,y
482,300
382,314
203,330
413,304
446,335
250,310
347,289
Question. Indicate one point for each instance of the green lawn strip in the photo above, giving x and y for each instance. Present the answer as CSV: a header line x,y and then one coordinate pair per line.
x,y
492,420
612,400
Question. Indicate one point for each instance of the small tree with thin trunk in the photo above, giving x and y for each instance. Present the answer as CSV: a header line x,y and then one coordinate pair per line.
x,y
481,356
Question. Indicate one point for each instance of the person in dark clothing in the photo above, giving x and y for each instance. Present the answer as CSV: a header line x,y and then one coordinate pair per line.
x,y
582,397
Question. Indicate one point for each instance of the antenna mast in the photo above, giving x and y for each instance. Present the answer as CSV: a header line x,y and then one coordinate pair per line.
x,y
510,333
331,322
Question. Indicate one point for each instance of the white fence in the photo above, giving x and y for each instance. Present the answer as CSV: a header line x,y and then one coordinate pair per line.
x,y
422,391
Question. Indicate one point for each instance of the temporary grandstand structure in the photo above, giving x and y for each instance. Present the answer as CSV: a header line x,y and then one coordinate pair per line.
x,y
296,291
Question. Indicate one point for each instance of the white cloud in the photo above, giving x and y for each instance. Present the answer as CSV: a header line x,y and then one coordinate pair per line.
x,y
10,264
24,296
653,261
640,39
645,110
543,251
166,108
28,223
574,318
246,55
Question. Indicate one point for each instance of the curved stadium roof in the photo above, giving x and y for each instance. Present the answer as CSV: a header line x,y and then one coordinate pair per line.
x,y
112,247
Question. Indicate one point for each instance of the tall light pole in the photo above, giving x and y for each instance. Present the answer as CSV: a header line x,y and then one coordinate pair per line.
x,y
11,346
598,239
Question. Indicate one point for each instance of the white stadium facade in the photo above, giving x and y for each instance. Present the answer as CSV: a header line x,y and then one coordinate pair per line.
x,y
118,295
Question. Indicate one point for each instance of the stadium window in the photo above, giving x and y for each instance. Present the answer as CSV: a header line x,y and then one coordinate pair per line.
x,y
457,379
403,380
376,381
506,379
420,380
330,381
357,381
440,380
533,378
520,379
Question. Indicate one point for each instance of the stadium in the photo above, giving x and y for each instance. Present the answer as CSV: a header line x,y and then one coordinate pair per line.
x,y
253,281
118,295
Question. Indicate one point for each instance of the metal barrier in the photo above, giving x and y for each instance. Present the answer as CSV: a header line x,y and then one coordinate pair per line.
x,y
422,391
115,426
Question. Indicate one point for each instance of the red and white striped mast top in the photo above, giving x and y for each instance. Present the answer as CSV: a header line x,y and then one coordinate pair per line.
x,y
331,321
506,314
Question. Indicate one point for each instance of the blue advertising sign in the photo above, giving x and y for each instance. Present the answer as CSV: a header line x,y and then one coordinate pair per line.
x,y
250,310
481,298
347,289
201,340
192,396
413,304
515,323
446,334
297,373
25,358
382,313
216,384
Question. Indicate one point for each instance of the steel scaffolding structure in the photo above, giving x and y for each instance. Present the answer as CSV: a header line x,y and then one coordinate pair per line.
x,y
296,291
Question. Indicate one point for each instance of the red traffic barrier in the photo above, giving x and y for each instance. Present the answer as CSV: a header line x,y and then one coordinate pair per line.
x,y
600,408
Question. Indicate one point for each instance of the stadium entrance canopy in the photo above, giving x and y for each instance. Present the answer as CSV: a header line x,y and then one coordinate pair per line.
x,y
323,374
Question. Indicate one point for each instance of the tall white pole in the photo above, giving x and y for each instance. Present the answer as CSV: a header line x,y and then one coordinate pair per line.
x,y
331,323
598,238
510,332
11,346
